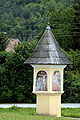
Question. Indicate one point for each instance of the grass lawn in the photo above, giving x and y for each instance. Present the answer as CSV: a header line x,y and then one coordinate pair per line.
x,y
15,113
71,112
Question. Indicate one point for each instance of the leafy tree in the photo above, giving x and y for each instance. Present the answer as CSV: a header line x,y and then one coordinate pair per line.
x,y
76,26
74,57
71,87
60,20
72,78
3,41
25,19
16,78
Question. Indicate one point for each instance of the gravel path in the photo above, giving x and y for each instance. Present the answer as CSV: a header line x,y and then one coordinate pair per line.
x,y
34,105
72,118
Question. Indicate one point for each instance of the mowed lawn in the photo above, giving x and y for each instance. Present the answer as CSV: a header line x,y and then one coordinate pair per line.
x,y
15,113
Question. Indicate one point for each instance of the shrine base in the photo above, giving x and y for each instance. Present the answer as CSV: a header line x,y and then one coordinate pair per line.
x,y
49,104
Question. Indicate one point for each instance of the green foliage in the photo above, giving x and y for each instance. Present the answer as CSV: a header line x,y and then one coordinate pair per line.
x,y
25,49
72,78
71,87
16,78
3,41
3,57
61,19
19,91
74,57
6,94
25,19
76,25
14,107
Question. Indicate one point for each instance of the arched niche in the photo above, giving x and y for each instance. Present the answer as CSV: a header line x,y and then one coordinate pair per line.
x,y
41,81
56,81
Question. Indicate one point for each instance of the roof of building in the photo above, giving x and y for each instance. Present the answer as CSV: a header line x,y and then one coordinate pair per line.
x,y
48,51
11,44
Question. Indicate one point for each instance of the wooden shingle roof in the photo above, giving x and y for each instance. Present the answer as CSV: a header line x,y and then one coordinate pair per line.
x,y
48,51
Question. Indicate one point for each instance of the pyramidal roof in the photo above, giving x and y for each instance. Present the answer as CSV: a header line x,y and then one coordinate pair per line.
x,y
48,51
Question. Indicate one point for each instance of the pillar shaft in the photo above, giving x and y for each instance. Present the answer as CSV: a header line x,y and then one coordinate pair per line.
x,y
49,104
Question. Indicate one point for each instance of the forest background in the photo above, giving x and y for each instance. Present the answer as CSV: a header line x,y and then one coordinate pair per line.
x,y
26,20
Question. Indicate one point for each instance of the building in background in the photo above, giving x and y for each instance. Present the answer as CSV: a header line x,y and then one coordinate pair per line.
x,y
12,43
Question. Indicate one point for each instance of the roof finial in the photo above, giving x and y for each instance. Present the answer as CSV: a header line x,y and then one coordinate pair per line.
x,y
48,27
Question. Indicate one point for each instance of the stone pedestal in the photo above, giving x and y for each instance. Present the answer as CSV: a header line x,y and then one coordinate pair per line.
x,y
49,104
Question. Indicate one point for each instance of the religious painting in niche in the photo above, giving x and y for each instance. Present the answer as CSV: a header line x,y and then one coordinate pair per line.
x,y
41,81
56,81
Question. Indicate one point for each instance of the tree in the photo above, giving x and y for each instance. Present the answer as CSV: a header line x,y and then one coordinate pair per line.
x,y
16,78
76,26
72,78
60,19
3,41
71,87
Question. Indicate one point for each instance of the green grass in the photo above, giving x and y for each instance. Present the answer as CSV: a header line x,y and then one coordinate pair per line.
x,y
15,113
71,112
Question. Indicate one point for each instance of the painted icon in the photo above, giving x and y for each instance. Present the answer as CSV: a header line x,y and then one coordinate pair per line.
x,y
56,81
41,81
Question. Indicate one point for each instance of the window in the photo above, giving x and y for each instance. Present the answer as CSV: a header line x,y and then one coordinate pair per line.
x,y
56,81
41,81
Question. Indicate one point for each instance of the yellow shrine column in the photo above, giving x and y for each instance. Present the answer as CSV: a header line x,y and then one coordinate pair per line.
x,y
48,100
48,61
49,104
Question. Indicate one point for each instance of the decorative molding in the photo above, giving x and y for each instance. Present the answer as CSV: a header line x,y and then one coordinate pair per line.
x,y
48,93
49,66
